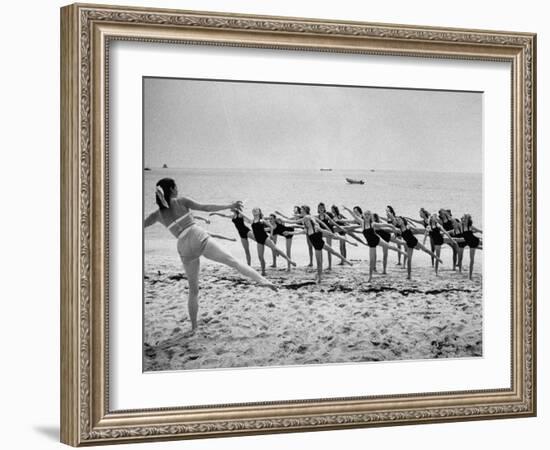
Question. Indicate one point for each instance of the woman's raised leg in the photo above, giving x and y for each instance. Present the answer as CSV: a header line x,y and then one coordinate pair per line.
x,y
217,253
279,252
330,250
419,246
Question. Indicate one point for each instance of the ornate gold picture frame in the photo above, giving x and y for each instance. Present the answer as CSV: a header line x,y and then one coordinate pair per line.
x,y
87,31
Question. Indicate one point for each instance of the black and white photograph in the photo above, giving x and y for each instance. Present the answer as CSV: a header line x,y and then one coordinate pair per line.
x,y
296,224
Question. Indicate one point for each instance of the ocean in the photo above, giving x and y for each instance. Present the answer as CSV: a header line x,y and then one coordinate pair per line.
x,y
280,190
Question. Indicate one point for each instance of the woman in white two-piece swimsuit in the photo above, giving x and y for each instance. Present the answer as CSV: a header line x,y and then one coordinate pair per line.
x,y
193,241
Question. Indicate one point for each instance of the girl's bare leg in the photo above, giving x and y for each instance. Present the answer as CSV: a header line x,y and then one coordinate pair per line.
x,y
343,252
329,243
399,256
459,258
217,253
246,248
385,245
192,269
438,254
409,262
274,264
432,248
276,250
222,237
288,252
419,246
384,259
335,253
319,258
472,257
261,249
310,250
372,261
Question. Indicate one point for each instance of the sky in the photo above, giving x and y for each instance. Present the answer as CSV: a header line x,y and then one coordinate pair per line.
x,y
241,125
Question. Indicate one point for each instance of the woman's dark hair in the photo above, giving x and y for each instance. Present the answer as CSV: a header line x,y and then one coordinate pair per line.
x,y
323,205
390,207
162,195
358,208
376,217
306,209
405,221
298,209
424,213
336,211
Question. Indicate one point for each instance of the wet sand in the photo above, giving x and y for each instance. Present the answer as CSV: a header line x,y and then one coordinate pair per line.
x,y
345,319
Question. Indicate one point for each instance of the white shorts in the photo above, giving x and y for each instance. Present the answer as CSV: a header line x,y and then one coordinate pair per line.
x,y
192,242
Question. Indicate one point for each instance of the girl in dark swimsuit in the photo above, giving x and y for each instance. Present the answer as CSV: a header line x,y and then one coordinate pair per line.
x,y
470,240
297,215
339,219
370,230
448,224
315,233
390,220
438,235
424,219
327,222
245,233
407,232
278,228
259,226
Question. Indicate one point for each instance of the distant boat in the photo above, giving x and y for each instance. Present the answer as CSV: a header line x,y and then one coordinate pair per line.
x,y
164,166
326,170
147,168
372,170
352,181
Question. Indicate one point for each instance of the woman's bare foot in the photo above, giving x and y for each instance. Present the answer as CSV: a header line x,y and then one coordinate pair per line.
x,y
270,285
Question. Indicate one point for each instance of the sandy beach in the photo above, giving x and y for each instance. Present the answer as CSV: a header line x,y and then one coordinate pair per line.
x,y
345,319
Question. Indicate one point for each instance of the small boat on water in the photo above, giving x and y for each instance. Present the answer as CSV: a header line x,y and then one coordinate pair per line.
x,y
164,166
352,181
326,170
147,169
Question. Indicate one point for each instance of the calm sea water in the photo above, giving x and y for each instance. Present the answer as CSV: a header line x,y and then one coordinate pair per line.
x,y
280,190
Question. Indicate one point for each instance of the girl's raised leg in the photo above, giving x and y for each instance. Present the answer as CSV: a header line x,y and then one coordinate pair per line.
x,y
330,250
419,246
279,252
217,253
397,249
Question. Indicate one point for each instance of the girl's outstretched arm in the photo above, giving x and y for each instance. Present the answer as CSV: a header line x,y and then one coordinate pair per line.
x,y
357,217
476,230
192,204
282,215
419,222
227,216
151,219
203,219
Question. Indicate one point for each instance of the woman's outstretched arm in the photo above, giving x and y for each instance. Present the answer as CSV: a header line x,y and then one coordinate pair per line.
x,y
203,219
192,204
357,217
151,219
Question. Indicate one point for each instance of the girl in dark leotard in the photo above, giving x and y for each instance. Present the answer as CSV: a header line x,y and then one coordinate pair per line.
x,y
297,216
327,222
411,242
448,224
315,233
259,226
278,228
424,219
438,236
245,233
369,229
390,219
386,236
470,240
